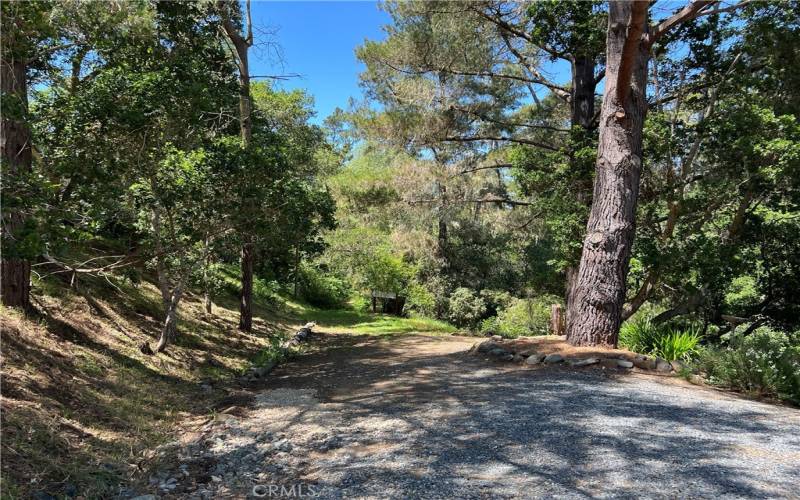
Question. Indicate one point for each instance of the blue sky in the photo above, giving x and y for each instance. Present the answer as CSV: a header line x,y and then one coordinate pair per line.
x,y
318,41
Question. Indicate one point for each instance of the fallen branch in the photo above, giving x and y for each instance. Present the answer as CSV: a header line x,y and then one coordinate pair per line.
x,y
256,372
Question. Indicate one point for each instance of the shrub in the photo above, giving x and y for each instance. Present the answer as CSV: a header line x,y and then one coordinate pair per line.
x,y
322,290
360,303
496,300
677,344
669,342
640,335
466,308
421,300
766,362
265,291
522,317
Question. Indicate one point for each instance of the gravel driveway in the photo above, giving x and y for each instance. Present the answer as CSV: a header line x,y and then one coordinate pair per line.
x,y
414,417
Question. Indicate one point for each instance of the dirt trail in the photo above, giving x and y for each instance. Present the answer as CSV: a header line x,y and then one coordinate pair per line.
x,y
413,417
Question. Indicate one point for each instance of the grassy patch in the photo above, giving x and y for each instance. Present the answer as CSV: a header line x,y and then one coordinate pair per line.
x,y
344,320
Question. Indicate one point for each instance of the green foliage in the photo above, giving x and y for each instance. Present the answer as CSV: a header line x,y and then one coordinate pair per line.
x,y
642,335
466,308
639,335
265,292
573,27
360,303
522,317
322,289
420,299
766,362
387,273
677,344
743,292
270,355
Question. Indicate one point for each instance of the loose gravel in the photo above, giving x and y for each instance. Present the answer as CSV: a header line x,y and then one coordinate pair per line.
x,y
414,417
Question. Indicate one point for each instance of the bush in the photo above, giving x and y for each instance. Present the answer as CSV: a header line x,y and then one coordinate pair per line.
x,y
640,335
421,300
322,290
677,344
265,291
360,303
766,362
669,342
522,317
466,308
496,300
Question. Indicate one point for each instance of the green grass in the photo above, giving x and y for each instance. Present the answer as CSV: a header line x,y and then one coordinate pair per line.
x,y
346,320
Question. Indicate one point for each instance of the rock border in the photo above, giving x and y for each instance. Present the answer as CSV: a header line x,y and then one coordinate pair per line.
x,y
498,348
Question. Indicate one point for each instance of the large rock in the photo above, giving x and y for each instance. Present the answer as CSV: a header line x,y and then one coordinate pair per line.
x,y
624,363
584,362
677,365
644,362
553,358
487,345
663,365
535,359
696,379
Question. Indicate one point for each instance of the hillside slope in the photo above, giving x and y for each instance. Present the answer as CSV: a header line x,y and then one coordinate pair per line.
x,y
83,410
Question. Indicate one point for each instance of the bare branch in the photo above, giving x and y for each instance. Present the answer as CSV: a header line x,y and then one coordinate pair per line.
x,y
279,77
475,138
482,167
558,90
518,32
249,39
692,10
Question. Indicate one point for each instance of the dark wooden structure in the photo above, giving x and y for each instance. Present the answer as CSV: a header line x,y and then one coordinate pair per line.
x,y
390,302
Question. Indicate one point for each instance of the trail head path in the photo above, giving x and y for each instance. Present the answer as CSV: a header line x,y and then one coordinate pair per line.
x,y
414,417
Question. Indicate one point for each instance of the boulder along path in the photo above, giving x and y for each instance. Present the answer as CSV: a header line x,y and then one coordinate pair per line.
x,y
413,416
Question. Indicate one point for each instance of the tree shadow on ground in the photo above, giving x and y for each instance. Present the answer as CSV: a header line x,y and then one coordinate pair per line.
x,y
471,429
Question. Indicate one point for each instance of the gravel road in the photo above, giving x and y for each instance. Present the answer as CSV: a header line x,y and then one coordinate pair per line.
x,y
414,417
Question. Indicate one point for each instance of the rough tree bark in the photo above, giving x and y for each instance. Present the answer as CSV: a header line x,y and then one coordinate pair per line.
x,y
584,84
241,45
596,310
15,272
599,293
170,320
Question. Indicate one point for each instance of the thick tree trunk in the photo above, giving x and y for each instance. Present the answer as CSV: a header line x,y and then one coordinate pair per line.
x,y
569,293
596,309
170,320
246,297
582,115
583,85
16,160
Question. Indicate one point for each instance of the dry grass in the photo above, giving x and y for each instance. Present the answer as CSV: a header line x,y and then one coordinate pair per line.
x,y
552,344
83,408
